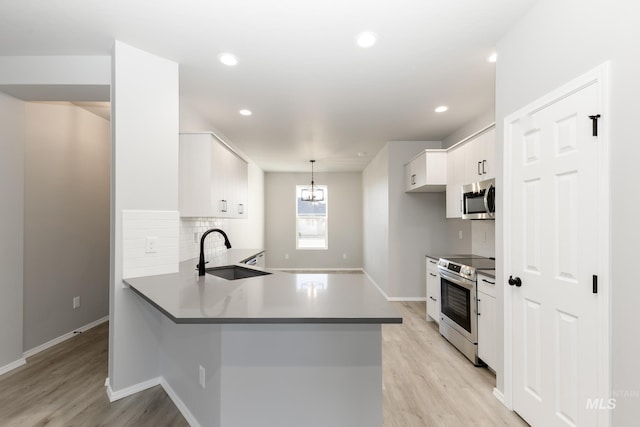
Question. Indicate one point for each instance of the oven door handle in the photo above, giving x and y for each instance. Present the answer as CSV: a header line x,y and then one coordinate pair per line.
x,y
468,284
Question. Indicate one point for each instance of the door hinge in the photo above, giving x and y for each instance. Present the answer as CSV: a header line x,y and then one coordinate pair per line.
x,y
595,284
594,124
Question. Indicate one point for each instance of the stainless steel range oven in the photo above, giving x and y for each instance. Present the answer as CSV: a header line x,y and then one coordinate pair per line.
x,y
459,302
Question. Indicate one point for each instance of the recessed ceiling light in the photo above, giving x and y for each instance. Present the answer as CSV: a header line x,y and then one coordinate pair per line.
x,y
228,59
441,109
245,112
493,57
366,39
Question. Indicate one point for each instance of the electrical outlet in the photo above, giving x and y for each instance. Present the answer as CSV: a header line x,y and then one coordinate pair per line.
x,y
76,303
195,237
201,376
286,256
459,234
151,245
344,256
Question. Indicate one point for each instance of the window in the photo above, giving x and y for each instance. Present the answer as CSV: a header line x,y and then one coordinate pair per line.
x,y
311,221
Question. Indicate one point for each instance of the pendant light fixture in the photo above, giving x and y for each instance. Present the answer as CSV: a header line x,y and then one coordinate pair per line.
x,y
312,194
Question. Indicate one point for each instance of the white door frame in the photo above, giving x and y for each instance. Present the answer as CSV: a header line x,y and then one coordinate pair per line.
x,y
599,75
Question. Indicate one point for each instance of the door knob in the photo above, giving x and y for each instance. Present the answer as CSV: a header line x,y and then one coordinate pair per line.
x,y
515,281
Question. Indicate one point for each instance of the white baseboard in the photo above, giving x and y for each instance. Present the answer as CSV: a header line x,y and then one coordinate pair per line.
x,y
499,395
13,365
62,338
136,388
392,299
179,404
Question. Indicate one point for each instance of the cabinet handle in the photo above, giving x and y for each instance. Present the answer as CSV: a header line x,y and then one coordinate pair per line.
x,y
223,207
431,274
479,173
478,306
413,179
486,281
432,262
433,299
240,208
484,162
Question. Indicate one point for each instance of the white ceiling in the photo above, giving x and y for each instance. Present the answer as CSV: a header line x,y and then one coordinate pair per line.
x,y
313,92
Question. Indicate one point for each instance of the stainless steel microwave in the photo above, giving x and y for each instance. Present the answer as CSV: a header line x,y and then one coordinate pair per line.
x,y
479,200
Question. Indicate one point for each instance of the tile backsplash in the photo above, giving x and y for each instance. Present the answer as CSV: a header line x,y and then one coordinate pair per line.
x,y
191,230
139,230
483,238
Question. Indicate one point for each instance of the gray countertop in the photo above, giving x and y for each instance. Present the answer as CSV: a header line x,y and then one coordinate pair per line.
x,y
488,273
454,256
275,298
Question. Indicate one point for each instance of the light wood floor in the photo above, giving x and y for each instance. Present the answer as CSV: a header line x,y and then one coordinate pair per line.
x,y
64,386
426,383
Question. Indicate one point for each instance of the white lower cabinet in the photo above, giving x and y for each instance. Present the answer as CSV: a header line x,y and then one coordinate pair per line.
x,y
487,319
433,290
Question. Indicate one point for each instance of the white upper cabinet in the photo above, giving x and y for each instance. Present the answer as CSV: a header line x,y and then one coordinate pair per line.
x,y
480,157
455,180
489,166
469,162
427,172
213,179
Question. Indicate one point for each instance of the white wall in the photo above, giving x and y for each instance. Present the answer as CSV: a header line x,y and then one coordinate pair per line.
x,y
344,198
11,228
375,223
483,238
417,225
66,220
144,177
56,78
42,78
481,121
400,228
554,43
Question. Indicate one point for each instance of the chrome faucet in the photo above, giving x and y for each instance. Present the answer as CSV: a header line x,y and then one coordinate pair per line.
x,y
201,262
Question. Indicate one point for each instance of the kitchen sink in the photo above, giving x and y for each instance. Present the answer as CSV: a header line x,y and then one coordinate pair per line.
x,y
234,272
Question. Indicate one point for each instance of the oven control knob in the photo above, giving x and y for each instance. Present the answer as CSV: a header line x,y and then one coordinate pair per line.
x,y
466,271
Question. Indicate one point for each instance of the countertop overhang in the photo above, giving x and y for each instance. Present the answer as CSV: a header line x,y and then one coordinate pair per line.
x,y
277,298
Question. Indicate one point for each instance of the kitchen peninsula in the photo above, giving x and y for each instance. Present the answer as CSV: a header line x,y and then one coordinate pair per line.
x,y
271,350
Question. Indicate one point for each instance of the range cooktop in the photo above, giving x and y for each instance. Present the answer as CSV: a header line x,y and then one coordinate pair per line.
x,y
467,266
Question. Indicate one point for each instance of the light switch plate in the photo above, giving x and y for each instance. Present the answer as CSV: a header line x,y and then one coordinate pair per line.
x,y
201,376
151,245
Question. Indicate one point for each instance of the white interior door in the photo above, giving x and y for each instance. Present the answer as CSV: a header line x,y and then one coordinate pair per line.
x,y
554,201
